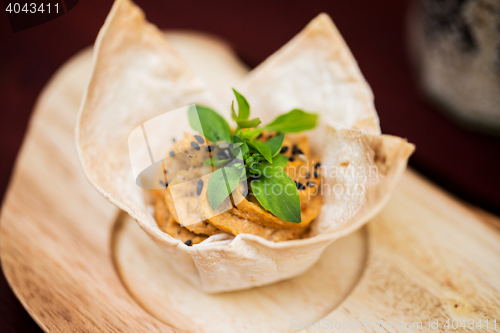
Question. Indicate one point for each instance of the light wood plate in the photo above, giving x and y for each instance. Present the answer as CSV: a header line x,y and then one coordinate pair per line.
x,y
425,256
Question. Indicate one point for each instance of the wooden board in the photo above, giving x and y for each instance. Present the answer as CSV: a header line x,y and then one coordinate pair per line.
x,y
171,299
425,256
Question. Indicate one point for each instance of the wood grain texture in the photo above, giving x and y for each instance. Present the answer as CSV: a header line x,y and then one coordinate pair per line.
x,y
168,297
429,256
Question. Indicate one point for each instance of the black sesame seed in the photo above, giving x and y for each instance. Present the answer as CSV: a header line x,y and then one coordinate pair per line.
x,y
311,184
199,139
190,156
165,171
188,242
173,139
284,149
300,186
291,159
317,165
195,145
209,148
316,174
199,187
172,153
296,150
308,175
178,232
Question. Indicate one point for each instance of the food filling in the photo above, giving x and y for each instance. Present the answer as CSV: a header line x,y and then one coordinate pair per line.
x,y
248,216
260,180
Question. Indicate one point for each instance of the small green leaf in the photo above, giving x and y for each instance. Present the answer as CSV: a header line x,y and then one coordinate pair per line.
x,y
243,148
279,161
243,107
257,157
248,123
222,182
233,112
293,122
275,144
209,123
278,194
237,139
262,148
216,161
250,134
264,167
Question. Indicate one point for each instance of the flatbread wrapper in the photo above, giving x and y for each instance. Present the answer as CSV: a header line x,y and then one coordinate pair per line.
x,y
136,76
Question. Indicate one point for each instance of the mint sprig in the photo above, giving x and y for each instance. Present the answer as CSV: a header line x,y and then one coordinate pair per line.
x,y
261,162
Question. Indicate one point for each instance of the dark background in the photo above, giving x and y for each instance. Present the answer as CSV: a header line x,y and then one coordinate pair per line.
x,y
463,162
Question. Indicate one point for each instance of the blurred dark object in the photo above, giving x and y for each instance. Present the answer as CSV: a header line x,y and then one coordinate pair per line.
x,y
463,162
456,49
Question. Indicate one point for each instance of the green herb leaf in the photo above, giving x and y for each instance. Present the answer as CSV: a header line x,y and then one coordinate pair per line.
x,y
278,194
275,144
238,165
279,161
216,161
262,148
263,168
222,182
243,107
248,123
293,122
243,147
250,134
209,123
233,112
